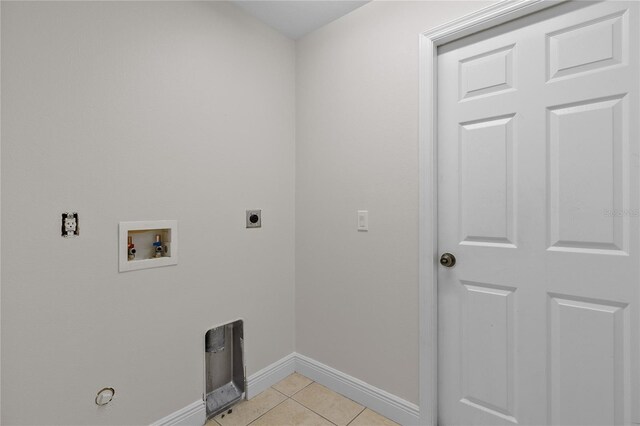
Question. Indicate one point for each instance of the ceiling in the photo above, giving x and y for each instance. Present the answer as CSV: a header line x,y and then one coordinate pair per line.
x,y
297,18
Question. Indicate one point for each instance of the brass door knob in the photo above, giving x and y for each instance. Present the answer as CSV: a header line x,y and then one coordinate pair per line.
x,y
448,260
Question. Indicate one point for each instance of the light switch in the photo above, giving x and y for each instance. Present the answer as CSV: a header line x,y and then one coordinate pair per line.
x,y
363,220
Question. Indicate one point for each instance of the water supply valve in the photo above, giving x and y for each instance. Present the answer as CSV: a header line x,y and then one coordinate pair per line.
x,y
158,246
131,250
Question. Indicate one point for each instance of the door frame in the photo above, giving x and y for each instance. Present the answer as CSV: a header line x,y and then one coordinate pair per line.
x,y
483,19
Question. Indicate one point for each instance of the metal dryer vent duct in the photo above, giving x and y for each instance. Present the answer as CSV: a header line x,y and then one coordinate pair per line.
x,y
225,377
214,339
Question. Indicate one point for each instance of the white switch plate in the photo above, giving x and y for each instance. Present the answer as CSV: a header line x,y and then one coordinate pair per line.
x,y
363,220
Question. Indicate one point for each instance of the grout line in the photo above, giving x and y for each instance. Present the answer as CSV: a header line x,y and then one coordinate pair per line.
x,y
281,393
358,415
285,398
298,402
213,422
339,394
265,413
317,414
303,388
304,406
269,410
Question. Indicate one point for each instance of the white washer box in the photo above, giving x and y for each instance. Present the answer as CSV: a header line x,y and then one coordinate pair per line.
x,y
144,234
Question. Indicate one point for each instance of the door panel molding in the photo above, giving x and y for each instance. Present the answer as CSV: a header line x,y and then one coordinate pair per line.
x,y
572,321
488,311
596,122
606,34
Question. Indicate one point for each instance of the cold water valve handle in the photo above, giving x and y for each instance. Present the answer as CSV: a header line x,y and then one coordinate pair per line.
x,y
158,247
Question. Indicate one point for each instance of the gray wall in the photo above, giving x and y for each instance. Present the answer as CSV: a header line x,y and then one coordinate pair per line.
x,y
357,149
139,111
187,111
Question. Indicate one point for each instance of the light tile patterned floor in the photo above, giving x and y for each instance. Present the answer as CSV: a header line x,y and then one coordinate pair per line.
x,y
299,401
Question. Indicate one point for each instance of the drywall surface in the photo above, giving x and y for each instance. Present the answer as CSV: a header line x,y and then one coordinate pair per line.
x,y
127,111
357,149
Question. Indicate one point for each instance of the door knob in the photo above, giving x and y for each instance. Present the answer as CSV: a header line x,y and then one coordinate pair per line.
x,y
448,260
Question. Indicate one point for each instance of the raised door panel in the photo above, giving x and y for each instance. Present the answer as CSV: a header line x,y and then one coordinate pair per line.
x,y
589,46
488,357
487,73
587,177
588,361
487,182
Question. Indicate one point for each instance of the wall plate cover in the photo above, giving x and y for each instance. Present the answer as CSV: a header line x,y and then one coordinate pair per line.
x,y
254,218
70,225
363,220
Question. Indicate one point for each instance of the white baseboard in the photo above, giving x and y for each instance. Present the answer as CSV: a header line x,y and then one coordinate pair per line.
x,y
270,375
382,402
194,414
390,406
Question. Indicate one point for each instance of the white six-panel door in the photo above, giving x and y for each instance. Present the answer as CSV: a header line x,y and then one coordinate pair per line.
x,y
538,199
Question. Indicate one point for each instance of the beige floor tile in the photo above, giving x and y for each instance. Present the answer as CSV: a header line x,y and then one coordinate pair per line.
x,y
371,418
328,404
211,423
290,413
247,411
292,384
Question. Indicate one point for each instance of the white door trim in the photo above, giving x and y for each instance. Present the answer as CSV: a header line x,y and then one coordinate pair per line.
x,y
499,13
